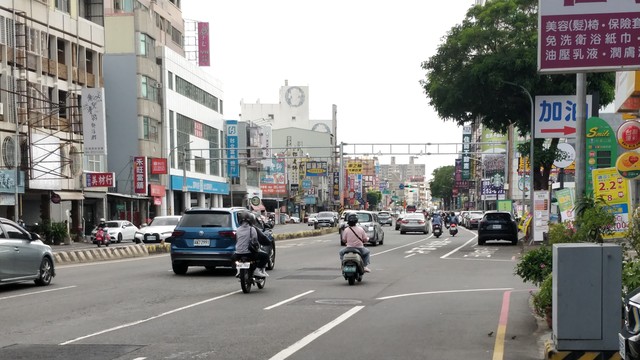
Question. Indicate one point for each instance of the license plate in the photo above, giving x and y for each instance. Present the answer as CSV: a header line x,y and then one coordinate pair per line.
x,y
243,265
151,237
496,227
623,348
201,242
349,269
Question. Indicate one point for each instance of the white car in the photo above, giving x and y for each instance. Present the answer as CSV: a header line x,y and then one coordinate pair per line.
x,y
118,230
294,220
158,230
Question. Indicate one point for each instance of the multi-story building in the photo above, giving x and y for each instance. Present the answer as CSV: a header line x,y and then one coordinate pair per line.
x,y
300,143
49,53
396,176
159,106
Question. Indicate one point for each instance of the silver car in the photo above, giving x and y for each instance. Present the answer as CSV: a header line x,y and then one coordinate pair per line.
x,y
23,256
368,220
414,222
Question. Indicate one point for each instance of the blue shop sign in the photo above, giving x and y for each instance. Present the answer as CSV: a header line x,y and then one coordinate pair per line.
x,y
8,182
200,185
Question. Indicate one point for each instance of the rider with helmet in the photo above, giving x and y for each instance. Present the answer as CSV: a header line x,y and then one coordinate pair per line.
x,y
355,237
244,234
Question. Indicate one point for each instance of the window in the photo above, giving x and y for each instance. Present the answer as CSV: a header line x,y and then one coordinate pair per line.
x,y
62,5
176,36
170,80
123,5
148,88
149,129
147,45
61,52
93,163
14,232
200,165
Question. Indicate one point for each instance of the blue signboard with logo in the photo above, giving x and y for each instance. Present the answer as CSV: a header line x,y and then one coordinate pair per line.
x,y
233,166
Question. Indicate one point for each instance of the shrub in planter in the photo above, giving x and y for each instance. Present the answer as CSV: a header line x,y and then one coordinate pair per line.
x,y
543,299
535,265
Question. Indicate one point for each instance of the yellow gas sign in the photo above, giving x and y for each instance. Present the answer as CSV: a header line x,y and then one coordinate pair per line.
x,y
354,167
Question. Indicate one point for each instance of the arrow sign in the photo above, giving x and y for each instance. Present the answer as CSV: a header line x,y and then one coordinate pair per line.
x,y
564,131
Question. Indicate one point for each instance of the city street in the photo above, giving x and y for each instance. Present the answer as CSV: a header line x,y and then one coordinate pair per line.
x,y
425,298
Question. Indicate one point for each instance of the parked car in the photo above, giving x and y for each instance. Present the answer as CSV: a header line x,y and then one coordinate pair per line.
x,y
473,219
368,220
118,230
311,219
630,333
385,218
23,256
414,222
497,225
158,230
326,219
461,217
207,237
293,220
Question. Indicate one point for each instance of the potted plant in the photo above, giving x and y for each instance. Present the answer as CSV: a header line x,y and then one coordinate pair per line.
x,y
543,300
535,265
58,232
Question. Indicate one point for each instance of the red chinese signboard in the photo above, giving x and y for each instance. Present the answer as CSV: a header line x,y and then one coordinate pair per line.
x,y
140,175
203,44
158,166
588,35
156,190
100,180
274,189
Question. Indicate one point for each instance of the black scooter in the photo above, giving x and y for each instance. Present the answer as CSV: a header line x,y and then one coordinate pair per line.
x,y
437,230
352,266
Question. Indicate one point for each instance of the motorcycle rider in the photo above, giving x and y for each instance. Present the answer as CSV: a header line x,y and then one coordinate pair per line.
x,y
453,219
244,234
436,220
355,237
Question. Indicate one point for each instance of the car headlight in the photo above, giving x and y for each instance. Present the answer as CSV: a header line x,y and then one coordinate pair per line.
x,y
632,319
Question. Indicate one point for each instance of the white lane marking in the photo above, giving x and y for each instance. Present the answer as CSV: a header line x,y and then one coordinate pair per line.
x,y
314,335
140,358
402,246
36,292
458,248
149,319
288,300
440,292
410,255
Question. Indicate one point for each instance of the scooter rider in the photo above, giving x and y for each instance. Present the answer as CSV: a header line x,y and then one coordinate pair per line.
x,y
453,219
244,234
436,219
355,237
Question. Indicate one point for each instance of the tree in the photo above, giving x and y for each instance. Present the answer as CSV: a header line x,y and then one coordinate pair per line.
x,y
373,198
471,76
442,184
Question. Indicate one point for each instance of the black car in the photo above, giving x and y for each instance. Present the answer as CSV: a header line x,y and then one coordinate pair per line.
x,y
497,225
630,334
207,237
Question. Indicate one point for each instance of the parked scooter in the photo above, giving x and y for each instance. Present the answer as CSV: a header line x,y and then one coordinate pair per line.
x,y
437,230
453,229
352,266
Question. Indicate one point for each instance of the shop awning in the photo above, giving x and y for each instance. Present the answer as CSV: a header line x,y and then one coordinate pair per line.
x,y
258,207
69,195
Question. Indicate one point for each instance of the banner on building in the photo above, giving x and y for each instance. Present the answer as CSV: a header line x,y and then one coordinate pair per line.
x,y
140,175
233,166
266,143
156,190
203,44
102,179
93,121
609,185
336,185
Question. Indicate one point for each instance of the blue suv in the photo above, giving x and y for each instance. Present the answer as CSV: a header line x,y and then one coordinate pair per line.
x,y
207,237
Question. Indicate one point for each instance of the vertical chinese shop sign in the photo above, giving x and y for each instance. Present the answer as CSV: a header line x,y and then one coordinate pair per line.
x,y
140,175
614,189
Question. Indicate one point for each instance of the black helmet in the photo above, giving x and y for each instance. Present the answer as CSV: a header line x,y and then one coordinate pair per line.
x,y
352,219
244,216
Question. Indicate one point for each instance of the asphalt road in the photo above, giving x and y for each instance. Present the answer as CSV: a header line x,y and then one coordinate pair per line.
x,y
426,298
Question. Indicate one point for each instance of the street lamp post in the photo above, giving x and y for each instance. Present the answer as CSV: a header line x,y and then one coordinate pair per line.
x,y
184,171
531,147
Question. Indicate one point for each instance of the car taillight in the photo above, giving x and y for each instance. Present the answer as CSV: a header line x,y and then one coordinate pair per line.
x,y
405,221
177,233
229,234
420,221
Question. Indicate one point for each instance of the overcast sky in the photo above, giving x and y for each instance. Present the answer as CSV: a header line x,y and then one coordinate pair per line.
x,y
362,55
